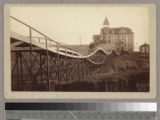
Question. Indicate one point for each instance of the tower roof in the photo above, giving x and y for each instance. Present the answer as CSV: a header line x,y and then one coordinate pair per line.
x,y
106,22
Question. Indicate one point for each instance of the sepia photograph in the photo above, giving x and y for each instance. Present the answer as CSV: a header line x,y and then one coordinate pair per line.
x,y
81,48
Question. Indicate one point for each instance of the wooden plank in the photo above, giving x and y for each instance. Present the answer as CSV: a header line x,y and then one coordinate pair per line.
x,y
24,48
16,43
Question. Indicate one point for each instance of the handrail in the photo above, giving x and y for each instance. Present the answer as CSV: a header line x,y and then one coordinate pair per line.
x,y
62,44
47,39
59,44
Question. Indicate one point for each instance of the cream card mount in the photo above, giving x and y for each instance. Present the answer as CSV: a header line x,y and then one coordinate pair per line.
x,y
80,51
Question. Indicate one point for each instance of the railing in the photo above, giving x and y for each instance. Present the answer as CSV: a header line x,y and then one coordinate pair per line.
x,y
46,40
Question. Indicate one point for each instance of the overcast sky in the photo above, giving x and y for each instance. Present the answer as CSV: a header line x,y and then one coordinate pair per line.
x,y
69,23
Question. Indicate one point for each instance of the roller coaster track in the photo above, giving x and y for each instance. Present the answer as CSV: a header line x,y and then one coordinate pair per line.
x,y
40,60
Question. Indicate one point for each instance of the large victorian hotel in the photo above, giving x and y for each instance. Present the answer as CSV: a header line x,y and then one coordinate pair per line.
x,y
114,38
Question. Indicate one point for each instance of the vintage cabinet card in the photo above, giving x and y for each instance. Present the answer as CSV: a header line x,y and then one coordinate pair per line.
x,y
74,51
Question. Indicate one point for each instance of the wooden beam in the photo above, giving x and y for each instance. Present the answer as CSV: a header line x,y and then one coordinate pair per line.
x,y
24,48
16,43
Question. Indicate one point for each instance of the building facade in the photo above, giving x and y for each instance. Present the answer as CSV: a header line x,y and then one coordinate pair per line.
x,y
113,38
144,48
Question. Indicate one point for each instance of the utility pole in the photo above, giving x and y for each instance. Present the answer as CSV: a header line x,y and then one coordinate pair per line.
x,y
80,40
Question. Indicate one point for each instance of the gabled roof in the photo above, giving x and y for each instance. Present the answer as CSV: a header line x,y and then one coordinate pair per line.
x,y
145,44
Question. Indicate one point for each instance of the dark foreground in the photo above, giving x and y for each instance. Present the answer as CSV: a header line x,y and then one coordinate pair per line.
x,y
137,82
124,73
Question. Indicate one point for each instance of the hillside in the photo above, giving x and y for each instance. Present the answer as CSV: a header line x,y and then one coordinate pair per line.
x,y
126,72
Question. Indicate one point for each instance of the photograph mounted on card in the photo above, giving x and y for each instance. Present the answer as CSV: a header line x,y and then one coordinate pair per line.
x,y
80,51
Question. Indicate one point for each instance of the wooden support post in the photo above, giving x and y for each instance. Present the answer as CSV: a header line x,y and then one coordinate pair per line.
x,y
21,71
83,69
50,44
58,70
47,63
18,81
66,66
73,69
31,75
78,70
41,65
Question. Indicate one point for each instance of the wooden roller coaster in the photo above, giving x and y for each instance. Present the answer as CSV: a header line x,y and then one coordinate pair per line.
x,y
41,62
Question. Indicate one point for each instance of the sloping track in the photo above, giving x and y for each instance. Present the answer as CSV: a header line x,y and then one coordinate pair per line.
x,y
40,63
56,47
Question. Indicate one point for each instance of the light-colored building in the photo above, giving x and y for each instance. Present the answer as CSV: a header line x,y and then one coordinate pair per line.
x,y
144,48
122,37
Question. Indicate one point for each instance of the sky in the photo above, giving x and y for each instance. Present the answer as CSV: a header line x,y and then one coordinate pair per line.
x,y
71,23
